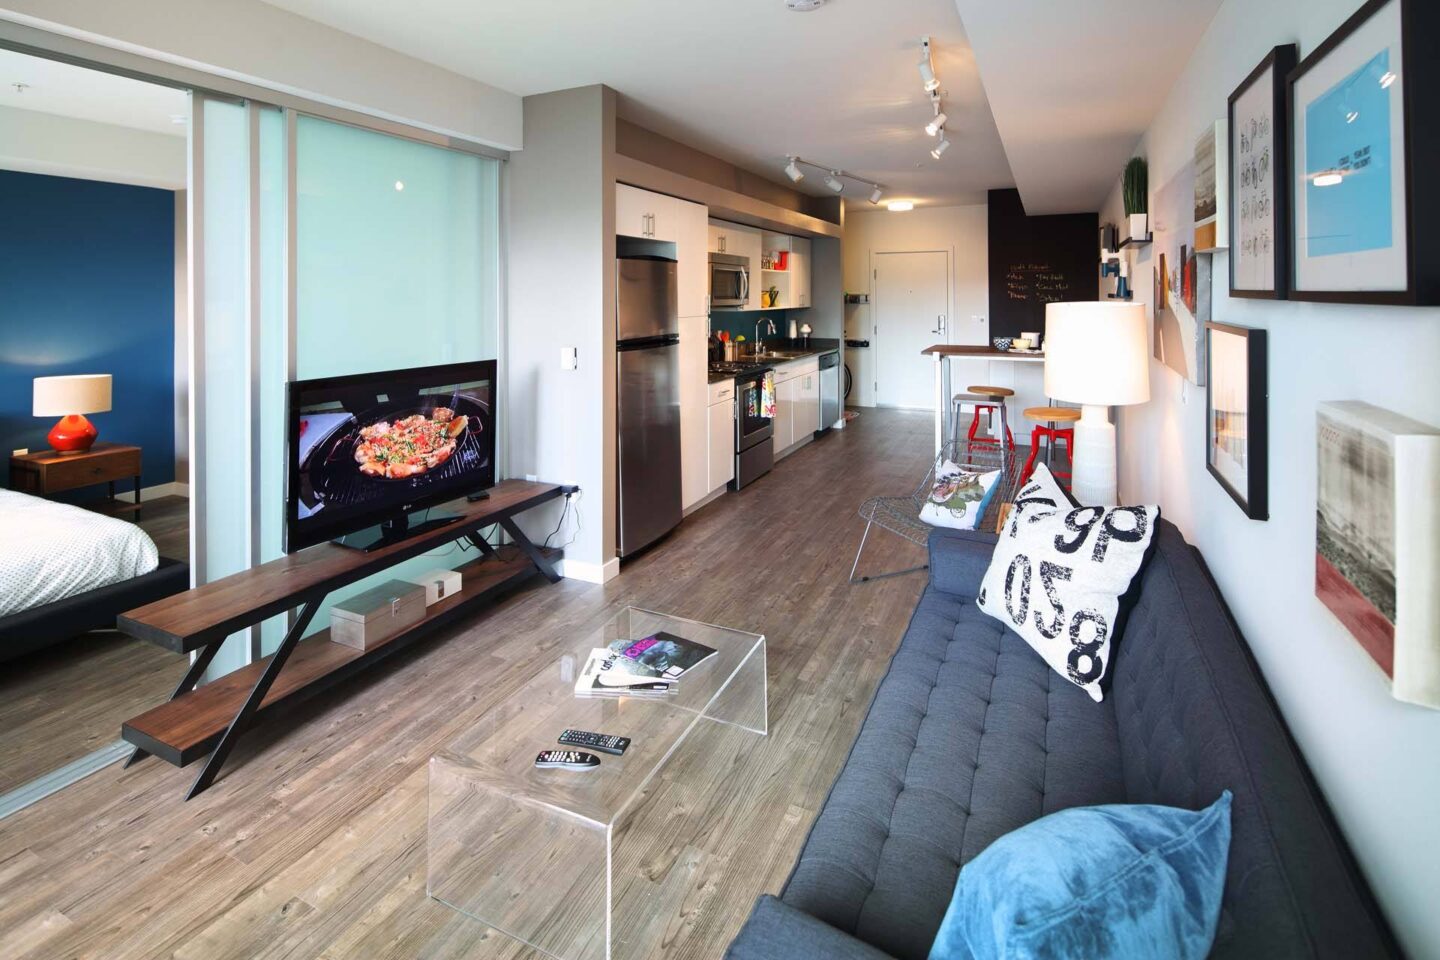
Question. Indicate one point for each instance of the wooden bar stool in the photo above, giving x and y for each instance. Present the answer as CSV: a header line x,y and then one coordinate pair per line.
x,y
1046,418
991,398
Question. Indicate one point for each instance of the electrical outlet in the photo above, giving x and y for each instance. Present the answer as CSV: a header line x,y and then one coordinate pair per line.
x,y
569,358
531,477
20,452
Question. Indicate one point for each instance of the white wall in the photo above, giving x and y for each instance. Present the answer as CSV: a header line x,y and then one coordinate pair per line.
x,y
961,231
35,142
1378,760
560,217
257,43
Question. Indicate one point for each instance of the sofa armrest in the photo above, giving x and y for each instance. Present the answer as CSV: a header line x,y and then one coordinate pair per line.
x,y
959,559
779,932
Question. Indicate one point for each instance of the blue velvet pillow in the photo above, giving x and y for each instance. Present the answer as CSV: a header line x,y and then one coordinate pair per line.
x,y
1118,882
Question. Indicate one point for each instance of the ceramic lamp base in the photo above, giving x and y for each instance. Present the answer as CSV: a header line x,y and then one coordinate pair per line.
x,y
1092,481
73,434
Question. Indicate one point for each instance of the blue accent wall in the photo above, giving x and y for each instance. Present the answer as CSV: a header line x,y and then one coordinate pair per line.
x,y
87,285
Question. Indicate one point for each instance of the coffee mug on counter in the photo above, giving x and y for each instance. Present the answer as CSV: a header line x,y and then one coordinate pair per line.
x,y
1034,339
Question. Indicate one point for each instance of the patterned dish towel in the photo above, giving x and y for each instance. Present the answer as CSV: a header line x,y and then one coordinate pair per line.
x,y
767,395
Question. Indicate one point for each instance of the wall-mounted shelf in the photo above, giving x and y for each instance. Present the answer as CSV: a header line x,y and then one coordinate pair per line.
x,y
1136,241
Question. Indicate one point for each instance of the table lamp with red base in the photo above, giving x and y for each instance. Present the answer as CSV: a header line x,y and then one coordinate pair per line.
x,y
70,398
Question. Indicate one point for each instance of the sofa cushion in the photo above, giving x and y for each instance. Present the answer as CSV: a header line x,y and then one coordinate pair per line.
x,y
970,736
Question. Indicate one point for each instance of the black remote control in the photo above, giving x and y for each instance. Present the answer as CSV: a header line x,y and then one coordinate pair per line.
x,y
605,743
566,760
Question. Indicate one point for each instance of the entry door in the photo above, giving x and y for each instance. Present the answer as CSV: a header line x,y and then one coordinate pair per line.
x,y
912,302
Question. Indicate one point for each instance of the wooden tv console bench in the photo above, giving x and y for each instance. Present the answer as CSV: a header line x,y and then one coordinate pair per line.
x,y
209,719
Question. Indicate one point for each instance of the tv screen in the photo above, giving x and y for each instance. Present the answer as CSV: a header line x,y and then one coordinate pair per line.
x,y
370,448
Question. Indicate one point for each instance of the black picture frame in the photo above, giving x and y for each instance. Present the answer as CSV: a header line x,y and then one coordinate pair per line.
x,y
1277,64
1420,144
1254,499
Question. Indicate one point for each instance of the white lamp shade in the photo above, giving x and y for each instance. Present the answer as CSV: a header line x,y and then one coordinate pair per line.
x,y
81,393
1097,353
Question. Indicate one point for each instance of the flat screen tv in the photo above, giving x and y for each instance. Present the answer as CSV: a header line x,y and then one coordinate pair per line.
x,y
367,451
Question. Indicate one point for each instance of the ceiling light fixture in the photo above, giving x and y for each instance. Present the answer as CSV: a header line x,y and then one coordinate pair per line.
x,y
792,170
927,67
399,185
935,126
900,206
940,148
832,180
876,194
804,6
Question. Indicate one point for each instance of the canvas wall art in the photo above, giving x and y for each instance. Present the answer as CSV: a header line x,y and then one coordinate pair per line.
x,y
1182,280
1259,142
1212,188
1377,539
1237,416
1359,225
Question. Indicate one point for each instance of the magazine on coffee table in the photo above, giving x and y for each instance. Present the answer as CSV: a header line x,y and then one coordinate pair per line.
x,y
661,655
600,663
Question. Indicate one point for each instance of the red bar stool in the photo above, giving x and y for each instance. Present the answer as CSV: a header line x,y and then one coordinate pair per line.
x,y
996,396
1046,418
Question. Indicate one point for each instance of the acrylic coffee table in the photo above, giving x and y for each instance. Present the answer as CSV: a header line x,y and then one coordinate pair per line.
x,y
532,852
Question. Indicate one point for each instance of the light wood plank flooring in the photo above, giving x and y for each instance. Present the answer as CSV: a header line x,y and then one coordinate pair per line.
x,y
58,704
312,843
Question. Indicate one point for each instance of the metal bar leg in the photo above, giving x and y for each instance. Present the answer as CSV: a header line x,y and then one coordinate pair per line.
x,y
856,564
531,551
257,694
878,576
186,684
483,545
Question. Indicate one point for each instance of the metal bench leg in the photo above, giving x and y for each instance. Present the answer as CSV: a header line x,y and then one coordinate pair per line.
x,y
186,684
878,576
257,695
542,563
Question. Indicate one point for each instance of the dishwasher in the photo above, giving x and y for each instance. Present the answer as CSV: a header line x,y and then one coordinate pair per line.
x,y
829,391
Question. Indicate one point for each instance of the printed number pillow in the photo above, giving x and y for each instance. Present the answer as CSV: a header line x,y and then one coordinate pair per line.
x,y
958,498
1059,572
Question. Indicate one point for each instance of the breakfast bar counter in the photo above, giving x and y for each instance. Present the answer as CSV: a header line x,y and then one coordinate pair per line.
x,y
974,355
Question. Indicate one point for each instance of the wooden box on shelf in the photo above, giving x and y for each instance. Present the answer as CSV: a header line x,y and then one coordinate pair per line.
x,y
377,614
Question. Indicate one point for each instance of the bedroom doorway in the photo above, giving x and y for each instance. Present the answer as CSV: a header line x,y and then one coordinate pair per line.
x,y
94,258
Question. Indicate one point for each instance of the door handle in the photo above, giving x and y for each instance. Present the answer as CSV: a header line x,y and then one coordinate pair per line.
x,y
939,324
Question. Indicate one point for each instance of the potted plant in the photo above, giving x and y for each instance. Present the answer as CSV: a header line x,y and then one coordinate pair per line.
x,y
1135,186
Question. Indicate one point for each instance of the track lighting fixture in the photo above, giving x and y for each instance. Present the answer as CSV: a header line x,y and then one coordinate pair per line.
x,y
936,125
876,194
792,170
940,148
832,180
927,67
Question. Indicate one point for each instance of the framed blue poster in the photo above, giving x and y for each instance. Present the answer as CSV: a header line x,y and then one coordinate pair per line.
x,y
1358,226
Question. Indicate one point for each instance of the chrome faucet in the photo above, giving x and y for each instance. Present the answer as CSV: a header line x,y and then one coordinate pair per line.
x,y
771,324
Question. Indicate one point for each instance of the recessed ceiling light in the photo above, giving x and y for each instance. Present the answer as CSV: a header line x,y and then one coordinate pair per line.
x,y
899,206
399,185
832,180
804,6
792,170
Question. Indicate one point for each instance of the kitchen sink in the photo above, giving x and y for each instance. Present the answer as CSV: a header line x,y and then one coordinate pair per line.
x,y
781,354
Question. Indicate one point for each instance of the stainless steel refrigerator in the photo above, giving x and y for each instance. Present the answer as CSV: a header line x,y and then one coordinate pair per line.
x,y
647,405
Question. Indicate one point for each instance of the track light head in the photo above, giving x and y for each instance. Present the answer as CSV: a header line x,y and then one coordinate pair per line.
x,y
940,148
832,180
927,67
876,194
792,170
936,125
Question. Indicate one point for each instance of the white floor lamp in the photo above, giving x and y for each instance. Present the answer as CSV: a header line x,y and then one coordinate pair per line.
x,y
1097,355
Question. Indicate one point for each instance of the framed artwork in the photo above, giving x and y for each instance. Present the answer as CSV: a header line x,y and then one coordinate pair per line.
x,y
1182,280
1361,226
1377,539
1212,189
1259,148
1237,429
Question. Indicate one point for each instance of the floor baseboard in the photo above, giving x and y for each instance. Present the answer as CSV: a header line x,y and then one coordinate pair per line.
x,y
590,572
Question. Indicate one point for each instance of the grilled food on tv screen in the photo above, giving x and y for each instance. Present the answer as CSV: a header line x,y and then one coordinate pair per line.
x,y
371,448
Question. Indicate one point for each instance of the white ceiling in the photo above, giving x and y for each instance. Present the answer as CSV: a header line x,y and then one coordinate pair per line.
x,y
1073,85
60,88
746,80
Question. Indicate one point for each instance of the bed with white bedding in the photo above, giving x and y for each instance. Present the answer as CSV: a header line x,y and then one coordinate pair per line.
x,y
65,570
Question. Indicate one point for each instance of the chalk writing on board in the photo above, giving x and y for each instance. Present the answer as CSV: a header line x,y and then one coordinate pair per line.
x,y
1039,282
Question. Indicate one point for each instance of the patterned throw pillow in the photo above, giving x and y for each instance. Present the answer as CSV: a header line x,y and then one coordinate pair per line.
x,y
1058,575
958,498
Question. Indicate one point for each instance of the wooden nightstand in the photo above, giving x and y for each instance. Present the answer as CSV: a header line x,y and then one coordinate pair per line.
x,y
49,472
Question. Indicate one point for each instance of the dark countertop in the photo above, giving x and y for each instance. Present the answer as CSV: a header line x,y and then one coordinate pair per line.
x,y
814,348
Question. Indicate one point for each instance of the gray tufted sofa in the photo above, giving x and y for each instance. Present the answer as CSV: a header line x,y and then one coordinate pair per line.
x,y
971,735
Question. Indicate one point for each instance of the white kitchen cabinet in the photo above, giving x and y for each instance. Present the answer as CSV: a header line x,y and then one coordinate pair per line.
x,y
641,213
694,399
799,272
691,249
720,424
806,410
784,431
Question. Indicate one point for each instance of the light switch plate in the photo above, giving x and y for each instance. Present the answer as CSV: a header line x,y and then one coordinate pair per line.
x,y
569,358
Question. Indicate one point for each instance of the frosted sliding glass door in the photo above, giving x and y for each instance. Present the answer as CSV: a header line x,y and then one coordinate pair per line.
x,y
397,263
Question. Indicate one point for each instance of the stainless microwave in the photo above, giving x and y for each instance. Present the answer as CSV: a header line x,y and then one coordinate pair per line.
x,y
729,281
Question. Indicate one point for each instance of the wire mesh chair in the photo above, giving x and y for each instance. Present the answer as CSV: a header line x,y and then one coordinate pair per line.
x,y
901,515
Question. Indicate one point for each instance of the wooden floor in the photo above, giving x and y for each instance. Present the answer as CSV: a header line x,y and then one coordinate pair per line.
x,y
312,843
58,704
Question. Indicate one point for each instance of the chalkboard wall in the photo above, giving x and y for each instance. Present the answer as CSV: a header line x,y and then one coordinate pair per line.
x,y
1037,260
